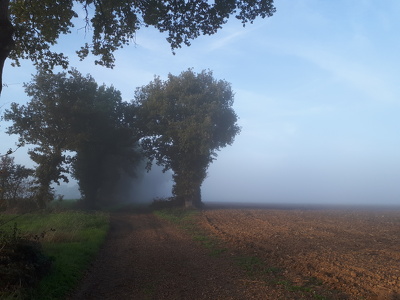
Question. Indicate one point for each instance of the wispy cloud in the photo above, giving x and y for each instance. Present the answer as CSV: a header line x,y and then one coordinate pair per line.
x,y
230,34
224,42
366,78
360,76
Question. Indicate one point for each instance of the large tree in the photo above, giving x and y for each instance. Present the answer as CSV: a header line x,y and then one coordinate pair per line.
x,y
184,121
70,112
28,29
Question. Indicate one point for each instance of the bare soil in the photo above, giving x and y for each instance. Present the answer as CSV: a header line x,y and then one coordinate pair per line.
x,y
353,251
305,254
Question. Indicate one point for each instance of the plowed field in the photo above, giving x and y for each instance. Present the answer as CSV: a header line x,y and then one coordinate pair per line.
x,y
351,250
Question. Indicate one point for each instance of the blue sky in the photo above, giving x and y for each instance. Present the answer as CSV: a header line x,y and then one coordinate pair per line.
x,y
316,89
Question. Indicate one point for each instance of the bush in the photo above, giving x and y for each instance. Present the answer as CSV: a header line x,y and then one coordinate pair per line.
x,y
22,262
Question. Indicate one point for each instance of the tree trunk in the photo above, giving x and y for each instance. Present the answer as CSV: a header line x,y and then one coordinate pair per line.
x,y
6,38
194,201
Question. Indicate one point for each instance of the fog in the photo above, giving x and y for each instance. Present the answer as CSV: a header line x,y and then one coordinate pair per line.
x,y
148,186
307,182
293,177
292,182
143,188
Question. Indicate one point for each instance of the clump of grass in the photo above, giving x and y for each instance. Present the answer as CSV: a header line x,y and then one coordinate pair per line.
x,y
250,264
256,269
71,239
179,216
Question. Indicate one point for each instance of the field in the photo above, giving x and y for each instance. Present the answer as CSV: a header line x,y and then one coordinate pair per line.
x,y
244,253
220,252
354,251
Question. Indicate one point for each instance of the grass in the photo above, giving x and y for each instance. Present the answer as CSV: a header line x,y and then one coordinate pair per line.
x,y
179,216
256,269
64,204
251,264
186,219
70,239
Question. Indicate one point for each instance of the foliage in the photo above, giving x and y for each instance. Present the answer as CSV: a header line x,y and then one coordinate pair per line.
x,y
76,238
22,262
70,112
16,183
38,24
184,121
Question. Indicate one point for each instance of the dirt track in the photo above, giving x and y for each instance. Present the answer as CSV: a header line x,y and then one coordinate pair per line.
x,y
354,254
148,258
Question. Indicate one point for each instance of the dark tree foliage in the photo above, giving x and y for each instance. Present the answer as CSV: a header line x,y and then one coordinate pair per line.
x,y
184,121
15,182
108,149
28,29
72,113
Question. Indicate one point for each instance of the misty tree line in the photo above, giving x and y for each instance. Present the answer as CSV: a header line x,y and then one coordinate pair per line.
x,y
84,129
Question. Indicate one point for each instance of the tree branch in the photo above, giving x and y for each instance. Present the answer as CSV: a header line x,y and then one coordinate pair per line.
x,y
6,36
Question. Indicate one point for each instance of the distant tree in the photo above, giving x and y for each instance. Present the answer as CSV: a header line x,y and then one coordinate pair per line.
x,y
184,121
72,113
28,29
16,182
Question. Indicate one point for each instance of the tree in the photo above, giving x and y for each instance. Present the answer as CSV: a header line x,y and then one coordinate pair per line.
x,y
184,121
70,112
28,29
15,182
109,148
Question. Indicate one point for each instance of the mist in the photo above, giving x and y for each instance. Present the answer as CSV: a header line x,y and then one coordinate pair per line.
x,y
146,186
142,188
329,182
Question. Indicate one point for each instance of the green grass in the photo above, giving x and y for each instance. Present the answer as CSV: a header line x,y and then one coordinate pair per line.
x,y
251,264
71,239
64,204
186,219
179,216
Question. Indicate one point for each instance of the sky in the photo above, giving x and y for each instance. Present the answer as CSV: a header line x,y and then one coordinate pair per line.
x,y
317,93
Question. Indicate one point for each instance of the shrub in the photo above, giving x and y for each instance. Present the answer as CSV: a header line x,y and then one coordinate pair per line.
x,y
22,262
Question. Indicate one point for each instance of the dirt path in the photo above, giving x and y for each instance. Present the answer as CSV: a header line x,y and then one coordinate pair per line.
x,y
148,258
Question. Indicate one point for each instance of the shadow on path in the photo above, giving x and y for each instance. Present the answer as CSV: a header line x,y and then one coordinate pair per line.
x,y
148,258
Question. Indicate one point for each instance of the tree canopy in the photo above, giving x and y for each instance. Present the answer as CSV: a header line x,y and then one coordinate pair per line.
x,y
28,29
70,112
16,182
184,121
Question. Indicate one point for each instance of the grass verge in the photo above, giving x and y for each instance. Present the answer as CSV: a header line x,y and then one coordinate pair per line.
x,y
186,219
70,239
